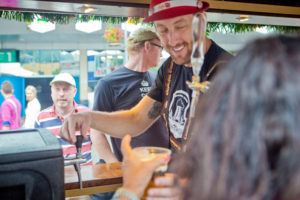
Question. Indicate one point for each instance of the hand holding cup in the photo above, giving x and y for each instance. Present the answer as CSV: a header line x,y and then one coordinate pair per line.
x,y
137,171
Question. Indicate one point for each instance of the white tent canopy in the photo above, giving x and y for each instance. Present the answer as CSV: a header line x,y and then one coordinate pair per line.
x,y
15,69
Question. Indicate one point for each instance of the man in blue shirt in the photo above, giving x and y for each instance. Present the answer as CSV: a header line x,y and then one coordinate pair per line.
x,y
125,87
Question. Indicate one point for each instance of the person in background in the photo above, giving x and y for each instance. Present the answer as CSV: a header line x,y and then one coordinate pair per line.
x,y
63,91
10,108
33,106
245,142
170,96
125,87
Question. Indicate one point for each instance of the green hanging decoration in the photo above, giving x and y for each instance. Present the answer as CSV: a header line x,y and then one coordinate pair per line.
x,y
243,28
61,18
18,16
68,18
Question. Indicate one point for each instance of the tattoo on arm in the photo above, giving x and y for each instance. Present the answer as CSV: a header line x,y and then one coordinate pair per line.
x,y
155,111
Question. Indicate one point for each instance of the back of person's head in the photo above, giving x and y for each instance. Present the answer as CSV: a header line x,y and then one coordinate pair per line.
x,y
245,141
138,37
7,87
31,88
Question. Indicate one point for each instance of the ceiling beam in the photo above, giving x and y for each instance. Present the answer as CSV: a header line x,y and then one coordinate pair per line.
x,y
254,8
215,6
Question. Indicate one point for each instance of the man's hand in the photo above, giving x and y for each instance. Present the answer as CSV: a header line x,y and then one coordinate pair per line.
x,y
138,173
166,188
75,122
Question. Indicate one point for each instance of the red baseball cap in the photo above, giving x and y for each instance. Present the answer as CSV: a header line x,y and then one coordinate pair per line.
x,y
165,9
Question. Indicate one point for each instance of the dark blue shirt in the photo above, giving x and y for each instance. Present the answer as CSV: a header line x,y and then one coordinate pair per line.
x,y
122,90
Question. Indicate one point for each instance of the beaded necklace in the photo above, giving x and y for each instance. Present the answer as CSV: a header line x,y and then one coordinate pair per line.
x,y
170,76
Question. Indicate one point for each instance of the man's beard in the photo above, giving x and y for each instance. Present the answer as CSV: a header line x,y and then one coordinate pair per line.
x,y
184,59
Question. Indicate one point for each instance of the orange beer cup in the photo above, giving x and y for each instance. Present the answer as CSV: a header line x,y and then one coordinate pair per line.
x,y
146,153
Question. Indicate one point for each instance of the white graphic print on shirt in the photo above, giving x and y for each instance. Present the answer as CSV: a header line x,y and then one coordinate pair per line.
x,y
145,88
179,106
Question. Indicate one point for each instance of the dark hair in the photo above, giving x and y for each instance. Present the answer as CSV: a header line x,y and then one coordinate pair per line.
x,y
245,141
7,87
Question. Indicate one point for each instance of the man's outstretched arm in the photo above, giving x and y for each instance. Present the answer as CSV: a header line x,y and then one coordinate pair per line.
x,y
117,124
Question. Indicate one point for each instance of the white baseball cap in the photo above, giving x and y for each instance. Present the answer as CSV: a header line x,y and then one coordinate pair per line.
x,y
64,77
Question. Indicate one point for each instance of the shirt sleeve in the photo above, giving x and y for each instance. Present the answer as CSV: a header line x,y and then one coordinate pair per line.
x,y
5,113
103,100
37,122
157,89
36,125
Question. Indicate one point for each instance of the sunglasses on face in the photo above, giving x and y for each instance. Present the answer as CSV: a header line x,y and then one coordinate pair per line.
x,y
157,45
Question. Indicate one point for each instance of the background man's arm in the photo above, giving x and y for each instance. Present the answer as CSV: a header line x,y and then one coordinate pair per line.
x,y
102,146
5,115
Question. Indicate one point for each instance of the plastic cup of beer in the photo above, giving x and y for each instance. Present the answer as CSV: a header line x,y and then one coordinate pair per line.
x,y
148,152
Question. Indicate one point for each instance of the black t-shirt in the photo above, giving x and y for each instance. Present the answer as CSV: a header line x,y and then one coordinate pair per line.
x,y
179,101
121,90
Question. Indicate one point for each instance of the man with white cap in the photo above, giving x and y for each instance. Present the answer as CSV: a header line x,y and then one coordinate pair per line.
x,y
170,96
63,91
